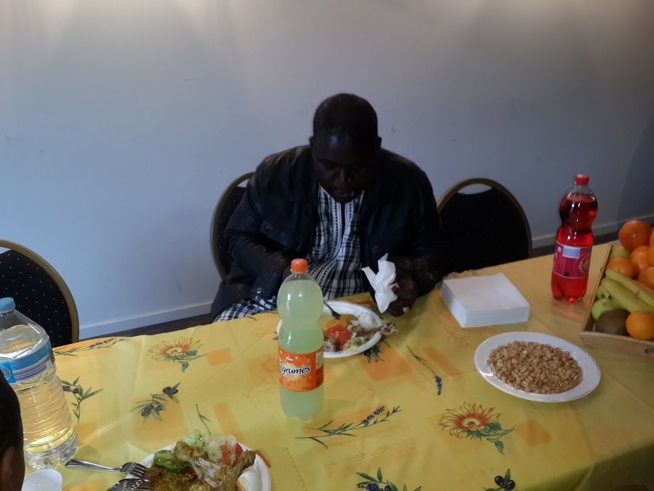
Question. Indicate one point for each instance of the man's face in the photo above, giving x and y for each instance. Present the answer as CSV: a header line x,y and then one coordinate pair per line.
x,y
343,170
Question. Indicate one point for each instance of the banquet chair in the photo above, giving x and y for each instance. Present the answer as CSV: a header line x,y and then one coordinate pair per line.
x,y
39,292
484,227
223,211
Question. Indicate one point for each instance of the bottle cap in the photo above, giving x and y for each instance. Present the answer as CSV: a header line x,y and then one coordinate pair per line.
x,y
7,304
299,266
582,179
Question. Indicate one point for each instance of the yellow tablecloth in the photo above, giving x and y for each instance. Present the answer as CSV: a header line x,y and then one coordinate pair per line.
x,y
415,413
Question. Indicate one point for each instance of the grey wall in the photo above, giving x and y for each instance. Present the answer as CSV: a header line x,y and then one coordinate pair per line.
x,y
122,121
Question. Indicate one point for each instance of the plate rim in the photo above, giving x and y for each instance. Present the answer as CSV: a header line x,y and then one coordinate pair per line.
x,y
259,464
367,345
590,369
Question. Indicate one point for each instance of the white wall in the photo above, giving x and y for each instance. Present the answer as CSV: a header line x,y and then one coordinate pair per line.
x,y
122,121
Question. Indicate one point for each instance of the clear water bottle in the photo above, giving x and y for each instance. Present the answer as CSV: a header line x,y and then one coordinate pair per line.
x,y
300,302
27,362
574,241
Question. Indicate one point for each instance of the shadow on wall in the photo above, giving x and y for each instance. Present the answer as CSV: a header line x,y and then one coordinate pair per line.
x,y
640,178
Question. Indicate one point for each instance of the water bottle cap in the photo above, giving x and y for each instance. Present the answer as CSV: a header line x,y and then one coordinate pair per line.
x,y
582,180
299,266
7,304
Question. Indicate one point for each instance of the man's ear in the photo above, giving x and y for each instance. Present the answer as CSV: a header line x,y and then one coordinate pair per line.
x,y
8,468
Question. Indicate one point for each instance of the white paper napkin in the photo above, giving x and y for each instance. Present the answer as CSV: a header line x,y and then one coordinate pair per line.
x,y
478,301
382,282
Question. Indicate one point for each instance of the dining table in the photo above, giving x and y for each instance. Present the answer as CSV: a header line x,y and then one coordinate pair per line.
x,y
411,413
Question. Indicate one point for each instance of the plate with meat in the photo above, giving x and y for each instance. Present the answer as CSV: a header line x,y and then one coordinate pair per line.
x,y
207,463
357,330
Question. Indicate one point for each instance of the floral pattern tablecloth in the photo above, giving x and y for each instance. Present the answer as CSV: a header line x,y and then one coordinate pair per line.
x,y
412,413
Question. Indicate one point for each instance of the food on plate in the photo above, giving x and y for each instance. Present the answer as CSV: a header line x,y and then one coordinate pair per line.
x,y
200,463
535,367
349,332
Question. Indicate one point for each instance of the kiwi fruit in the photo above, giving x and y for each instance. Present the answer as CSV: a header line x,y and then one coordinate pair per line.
x,y
612,322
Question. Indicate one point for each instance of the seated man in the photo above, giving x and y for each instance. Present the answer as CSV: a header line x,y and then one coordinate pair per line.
x,y
12,463
341,202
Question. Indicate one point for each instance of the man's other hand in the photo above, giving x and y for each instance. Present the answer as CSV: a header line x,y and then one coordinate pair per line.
x,y
406,291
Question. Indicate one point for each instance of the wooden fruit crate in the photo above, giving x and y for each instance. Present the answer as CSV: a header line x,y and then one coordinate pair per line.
x,y
612,342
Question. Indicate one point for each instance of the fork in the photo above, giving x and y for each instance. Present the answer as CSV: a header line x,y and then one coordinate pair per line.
x,y
132,468
131,485
335,314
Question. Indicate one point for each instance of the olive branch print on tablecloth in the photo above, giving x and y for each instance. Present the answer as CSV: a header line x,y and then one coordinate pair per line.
x,y
437,379
373,483
103,344
157,403
80,395
504,483
346,429
476,423
182,351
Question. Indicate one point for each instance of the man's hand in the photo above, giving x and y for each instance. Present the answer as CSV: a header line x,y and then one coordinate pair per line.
x,y
406,291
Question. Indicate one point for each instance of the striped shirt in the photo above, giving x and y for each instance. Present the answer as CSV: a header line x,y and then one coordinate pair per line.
x,y
334,257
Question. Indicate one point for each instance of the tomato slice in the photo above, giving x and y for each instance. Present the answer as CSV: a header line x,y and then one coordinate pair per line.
x,y
339,333
227,458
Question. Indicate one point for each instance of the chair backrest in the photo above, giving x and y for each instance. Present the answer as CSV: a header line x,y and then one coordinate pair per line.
x,y
483,228
39,291
221,214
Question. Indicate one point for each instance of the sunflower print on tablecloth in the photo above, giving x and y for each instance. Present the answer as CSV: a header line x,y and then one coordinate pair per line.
x,y
474,422
182,350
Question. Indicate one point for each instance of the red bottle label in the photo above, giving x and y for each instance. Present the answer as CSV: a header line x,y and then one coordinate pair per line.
x,y
570,261
301,372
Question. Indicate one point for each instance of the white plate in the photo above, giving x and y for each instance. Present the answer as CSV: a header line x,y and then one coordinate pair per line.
x,y
254,478
589,369
367,318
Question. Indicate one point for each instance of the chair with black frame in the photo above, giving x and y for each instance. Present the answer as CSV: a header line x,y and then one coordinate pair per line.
x,y
39,292
485,227
224,209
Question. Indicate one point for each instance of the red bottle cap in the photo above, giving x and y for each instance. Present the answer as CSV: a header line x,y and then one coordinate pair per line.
x,y
582,179
299,266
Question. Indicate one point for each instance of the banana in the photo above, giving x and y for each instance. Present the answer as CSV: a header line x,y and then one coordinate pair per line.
x,y
602,293
638,289
624,297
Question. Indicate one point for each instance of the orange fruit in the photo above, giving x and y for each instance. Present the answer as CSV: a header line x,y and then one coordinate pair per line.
x,y
639,259
634,233
623,266
646,277
650,255
640,325
651,239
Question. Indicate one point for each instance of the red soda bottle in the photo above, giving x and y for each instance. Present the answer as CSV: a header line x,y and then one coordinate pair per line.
x,y
574,241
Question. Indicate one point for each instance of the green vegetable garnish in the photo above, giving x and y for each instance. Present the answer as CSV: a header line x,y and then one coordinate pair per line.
x,y
194,439
165,459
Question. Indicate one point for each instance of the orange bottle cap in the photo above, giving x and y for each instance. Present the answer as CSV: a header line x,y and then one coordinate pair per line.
x,y
299,266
